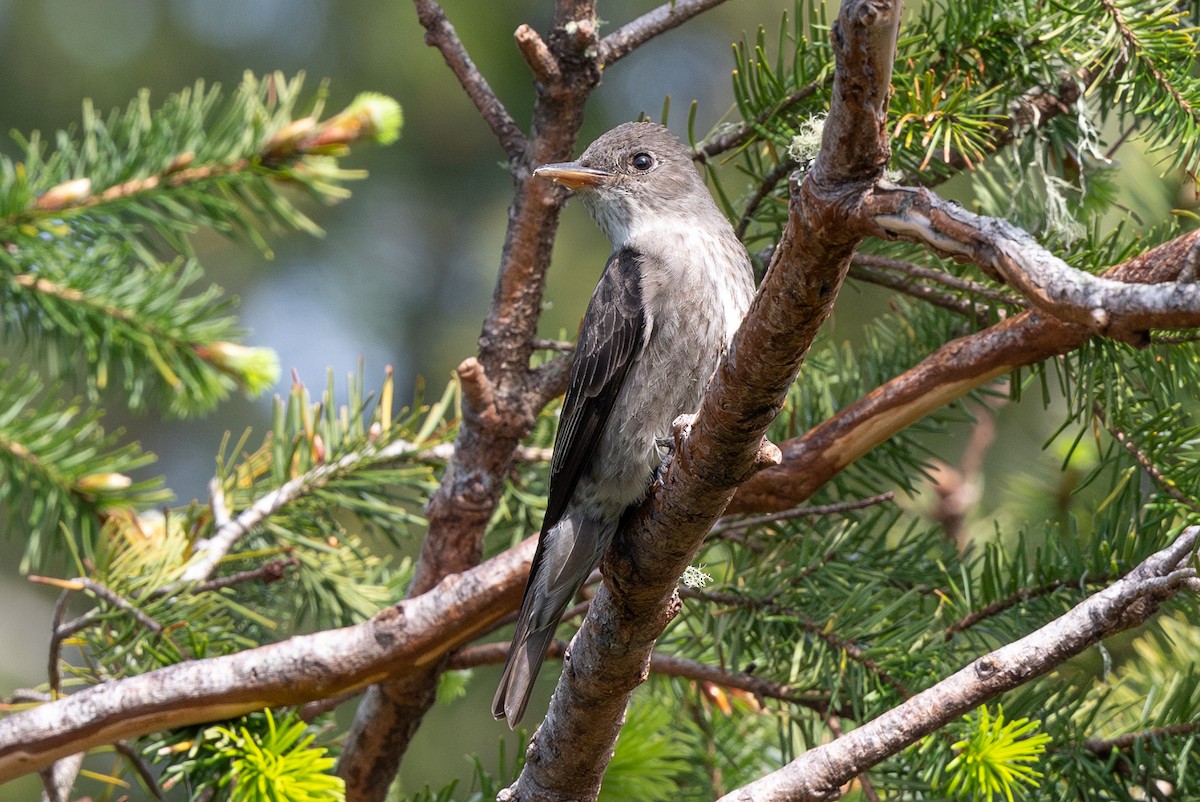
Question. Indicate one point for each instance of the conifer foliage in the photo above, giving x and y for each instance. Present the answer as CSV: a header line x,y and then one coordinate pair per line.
x,y
862,619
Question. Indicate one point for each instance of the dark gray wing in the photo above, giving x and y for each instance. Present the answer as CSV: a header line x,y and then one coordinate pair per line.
x,y
609,340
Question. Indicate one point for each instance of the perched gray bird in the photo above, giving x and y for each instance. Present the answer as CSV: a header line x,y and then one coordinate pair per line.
x,y
670,299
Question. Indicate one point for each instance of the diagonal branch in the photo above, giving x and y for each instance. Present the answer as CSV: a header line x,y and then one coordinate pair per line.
x,y
440,33
946,375
819,772
632,35
724,445
404,638
1114,308
229,530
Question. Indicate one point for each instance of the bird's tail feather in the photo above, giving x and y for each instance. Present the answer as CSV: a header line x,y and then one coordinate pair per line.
x,y
565,557
525,658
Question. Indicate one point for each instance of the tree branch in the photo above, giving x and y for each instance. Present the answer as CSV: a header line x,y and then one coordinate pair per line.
x,y
731,524
939,276
1113,308
664,665
228,531
440,33
402,639
946,375
632,35
819,772
1103,747
502,396
609,654
730,140
1019,596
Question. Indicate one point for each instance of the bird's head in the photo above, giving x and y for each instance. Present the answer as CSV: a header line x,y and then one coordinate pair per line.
x,y
631,175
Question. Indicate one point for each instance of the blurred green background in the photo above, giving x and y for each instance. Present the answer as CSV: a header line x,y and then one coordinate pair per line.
x,y
405,271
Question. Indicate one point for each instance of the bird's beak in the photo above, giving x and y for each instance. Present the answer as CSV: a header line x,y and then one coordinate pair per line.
x,y
573,175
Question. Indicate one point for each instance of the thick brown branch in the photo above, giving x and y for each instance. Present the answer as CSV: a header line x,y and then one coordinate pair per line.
x,y
1112,308
819,772
505,396
402,639
946,375
611,651
764,189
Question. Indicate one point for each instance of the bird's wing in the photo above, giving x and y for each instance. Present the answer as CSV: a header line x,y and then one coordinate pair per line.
x,y
609,340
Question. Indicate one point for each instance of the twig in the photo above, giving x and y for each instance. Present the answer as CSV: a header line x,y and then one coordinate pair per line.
x,y
663,665
440,33
855,652
941,277
562,346
730,140
1143,459
265,573
211,551
922,292
149,782
101,591
727,525
1129,602
1131,47
539,58
632,35
671,666
765,188
1103,747
1019,597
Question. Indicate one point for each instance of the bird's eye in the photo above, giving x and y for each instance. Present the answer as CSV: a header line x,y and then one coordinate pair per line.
x,y
642,161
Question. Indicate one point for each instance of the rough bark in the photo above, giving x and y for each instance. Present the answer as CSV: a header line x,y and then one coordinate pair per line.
x,y
608,657
946,375
501,394
404,638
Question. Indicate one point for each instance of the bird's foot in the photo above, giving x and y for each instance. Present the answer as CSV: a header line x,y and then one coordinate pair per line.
x,y
680,428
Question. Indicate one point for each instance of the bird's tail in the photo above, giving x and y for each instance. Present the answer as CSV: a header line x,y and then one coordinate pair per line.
x,y
525,658
565,557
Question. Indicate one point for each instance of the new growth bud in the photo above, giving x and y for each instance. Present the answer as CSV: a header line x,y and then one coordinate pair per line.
x,y
256,369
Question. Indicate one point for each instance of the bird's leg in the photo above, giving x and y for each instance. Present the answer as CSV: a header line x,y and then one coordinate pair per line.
x,y
673,445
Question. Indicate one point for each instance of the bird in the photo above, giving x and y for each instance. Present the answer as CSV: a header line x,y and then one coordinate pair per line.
x,y
671,296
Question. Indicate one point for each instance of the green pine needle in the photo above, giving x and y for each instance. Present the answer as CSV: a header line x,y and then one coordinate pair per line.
x,y
278,764
995,758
